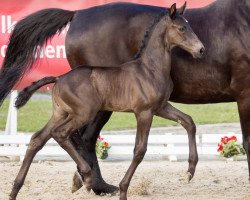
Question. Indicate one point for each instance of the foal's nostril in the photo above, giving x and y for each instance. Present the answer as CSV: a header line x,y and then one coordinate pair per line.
x,y
202,50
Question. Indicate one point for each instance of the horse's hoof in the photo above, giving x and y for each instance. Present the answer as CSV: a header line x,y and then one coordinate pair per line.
x,y
105,188
114,190
88,182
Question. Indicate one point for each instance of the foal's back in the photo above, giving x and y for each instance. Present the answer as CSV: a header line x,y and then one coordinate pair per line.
x,y
124,88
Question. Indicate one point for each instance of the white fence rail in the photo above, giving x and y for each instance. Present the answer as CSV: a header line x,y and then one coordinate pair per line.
x,y
166,146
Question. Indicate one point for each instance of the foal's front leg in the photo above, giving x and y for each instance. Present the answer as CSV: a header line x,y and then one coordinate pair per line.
x,y
144,121
169,112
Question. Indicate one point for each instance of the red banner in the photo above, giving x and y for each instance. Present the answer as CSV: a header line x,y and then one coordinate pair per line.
x,y
53,58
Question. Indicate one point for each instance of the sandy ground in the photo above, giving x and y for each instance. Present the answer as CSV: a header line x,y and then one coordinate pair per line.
x,y
153,180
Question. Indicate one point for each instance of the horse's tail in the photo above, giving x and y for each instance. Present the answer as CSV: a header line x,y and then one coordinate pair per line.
x,y
29,34
24,96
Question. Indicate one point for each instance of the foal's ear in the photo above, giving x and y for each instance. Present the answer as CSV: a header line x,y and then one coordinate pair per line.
x,y
182,9
172,11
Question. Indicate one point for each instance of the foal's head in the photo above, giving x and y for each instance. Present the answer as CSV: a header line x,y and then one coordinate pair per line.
x,y
179,33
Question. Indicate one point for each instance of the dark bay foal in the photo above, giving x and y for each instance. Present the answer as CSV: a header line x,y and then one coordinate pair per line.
x,y
142,86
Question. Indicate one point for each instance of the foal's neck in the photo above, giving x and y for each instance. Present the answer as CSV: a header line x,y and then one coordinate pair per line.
x,y
156,56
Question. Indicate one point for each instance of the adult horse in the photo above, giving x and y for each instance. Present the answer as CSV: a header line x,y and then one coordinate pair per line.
x,y
111,34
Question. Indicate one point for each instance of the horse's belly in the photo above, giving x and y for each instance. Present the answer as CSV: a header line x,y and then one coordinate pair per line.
x,y
201,85
202,95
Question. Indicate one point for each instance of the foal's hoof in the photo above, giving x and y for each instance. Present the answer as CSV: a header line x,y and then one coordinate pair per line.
x,y
12,198
189,177
77,182
123,196
186,177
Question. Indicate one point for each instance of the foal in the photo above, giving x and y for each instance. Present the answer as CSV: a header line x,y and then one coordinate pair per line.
x,y
142,86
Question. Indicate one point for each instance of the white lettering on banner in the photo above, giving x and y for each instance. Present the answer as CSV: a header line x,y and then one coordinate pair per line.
x,y
10,24
49,51
60,50
3,50
7,24
3,23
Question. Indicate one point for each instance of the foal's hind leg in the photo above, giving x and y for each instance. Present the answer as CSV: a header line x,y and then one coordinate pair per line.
x,y
61,134
144,121
38,140
169,112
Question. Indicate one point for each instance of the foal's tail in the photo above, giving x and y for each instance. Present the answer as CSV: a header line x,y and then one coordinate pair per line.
x,y
24,96
28,35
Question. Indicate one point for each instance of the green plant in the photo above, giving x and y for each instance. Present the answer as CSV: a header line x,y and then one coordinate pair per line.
x,y
102,148
229,147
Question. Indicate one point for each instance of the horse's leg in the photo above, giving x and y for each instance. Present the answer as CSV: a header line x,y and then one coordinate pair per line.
x,y
240,73
144,121
89,135
37,141
169,112
61,135
244,112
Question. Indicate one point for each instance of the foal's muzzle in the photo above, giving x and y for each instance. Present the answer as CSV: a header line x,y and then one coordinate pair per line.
x,y
199,53
202,50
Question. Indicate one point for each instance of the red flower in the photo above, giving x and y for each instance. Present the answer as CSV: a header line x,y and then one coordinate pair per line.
x,y
106,144
220,148
100,138
232,138
224,140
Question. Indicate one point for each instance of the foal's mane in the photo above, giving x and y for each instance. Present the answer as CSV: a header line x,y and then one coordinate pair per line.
x,y
148,33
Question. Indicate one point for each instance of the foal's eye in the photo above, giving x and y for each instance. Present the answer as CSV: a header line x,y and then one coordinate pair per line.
x,y
183,28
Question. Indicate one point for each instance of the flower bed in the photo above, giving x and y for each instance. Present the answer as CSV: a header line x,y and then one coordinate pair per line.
x,y
102,148
229,147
